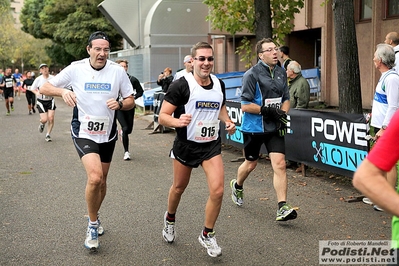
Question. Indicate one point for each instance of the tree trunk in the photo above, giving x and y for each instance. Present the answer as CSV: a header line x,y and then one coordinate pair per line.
x,y
263,19
350,98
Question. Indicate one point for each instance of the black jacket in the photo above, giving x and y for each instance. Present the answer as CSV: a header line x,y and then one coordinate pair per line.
x,y
165,82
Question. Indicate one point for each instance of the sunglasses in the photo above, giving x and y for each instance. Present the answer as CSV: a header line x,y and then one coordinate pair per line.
x,y
203,58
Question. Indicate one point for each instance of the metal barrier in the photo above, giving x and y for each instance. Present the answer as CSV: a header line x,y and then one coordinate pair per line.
x,y
313,77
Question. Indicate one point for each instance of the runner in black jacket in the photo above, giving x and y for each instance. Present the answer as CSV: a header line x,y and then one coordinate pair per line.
x,y
126,118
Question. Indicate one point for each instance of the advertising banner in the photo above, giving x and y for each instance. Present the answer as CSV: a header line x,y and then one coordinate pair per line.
x,y
329,141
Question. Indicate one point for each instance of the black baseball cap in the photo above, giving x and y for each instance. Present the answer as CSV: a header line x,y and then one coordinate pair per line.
x,y
98,35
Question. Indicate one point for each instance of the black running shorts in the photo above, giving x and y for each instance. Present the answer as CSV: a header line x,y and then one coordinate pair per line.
x,y
253,142
85,146
192,154
8,93
44,106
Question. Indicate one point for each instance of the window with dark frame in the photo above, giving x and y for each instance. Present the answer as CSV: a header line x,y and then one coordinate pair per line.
x,y
391,8
366,10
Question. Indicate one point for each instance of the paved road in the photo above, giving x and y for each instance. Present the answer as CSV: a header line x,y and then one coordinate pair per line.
x,y
42,207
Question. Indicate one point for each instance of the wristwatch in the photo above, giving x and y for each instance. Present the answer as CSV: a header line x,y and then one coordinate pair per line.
x,y
384,127
120,105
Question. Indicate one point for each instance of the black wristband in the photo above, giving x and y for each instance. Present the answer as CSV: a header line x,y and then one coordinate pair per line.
x,y
120,105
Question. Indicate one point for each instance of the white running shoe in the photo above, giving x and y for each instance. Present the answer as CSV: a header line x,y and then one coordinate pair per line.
x,y
91,241
367,201
168,231
126,157
285,213
378,208
100,227
237,195
210,244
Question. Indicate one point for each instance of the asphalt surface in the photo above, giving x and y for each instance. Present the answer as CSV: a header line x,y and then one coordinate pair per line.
x,y
42,206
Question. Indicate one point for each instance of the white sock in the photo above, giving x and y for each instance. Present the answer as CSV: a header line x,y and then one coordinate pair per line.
x,y
95,223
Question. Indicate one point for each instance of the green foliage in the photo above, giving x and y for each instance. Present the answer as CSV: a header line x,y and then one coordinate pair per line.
x,y
231,16
17,47
68,25
6,32
235,16
245,49
325,2
283,12
57,51
30,18
4,6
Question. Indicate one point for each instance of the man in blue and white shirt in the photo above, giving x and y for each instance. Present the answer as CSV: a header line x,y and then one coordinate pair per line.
x,y
265,100
95,83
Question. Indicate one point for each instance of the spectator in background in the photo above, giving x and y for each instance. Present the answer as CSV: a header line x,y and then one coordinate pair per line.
x,y
126,117
299,95
284,55
386,101
392,39
298,86
188,67
165,78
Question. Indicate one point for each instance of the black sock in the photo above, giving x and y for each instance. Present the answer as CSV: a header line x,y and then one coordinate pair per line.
x,y
170,217
206,231
281,204
237,186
